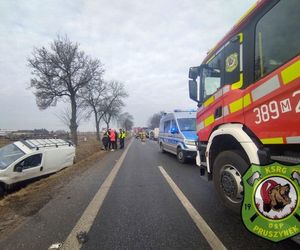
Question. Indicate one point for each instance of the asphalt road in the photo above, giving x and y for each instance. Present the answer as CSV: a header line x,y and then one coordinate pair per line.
x,y
140,211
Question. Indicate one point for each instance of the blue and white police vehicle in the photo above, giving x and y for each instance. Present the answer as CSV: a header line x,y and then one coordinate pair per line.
x,y
177,134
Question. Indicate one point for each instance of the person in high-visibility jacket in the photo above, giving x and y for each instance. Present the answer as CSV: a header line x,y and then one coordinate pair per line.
x,y
112,137
122,136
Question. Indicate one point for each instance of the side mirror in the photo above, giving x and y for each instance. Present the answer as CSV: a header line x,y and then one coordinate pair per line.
x,y
174,130
194,86
193,90
194,72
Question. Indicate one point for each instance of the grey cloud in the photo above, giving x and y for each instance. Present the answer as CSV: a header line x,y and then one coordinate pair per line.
x,y
149,45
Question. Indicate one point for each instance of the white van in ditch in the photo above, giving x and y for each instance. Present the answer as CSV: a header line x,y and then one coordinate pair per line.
x,y
27,159
177,134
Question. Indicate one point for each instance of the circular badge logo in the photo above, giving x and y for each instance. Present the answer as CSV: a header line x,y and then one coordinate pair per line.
x,y
231,62
275,198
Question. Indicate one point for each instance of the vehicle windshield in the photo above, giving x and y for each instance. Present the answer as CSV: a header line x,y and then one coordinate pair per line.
x,y
187,124
8,154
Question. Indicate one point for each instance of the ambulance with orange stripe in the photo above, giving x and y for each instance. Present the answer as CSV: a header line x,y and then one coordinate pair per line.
x,y
248,95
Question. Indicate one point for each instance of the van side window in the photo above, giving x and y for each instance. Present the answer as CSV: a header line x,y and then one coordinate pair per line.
x,y
31,161
167,126
277,37
174,125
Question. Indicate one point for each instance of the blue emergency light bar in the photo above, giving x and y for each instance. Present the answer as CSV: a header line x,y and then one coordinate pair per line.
x,y
187,110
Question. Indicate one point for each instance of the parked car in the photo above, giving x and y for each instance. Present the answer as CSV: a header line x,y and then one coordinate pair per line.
x,y
155,133
27,159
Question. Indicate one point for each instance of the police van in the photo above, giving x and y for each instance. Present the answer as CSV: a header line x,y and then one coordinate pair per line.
x,y
177,134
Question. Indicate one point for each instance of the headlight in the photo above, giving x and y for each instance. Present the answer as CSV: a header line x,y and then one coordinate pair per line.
x,y
190,142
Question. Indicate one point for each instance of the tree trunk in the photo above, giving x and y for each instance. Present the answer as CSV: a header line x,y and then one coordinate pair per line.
x,y
97,121
108,122
73,124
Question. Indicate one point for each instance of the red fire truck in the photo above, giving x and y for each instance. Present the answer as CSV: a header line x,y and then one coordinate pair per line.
x,y
248,95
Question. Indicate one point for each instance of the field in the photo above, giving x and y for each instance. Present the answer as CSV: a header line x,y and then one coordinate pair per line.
x,y
4,141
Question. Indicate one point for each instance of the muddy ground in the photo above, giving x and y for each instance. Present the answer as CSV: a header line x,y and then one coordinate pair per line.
x,y
38,193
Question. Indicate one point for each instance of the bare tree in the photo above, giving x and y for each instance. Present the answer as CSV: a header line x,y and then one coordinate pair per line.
x,y
113,103
154,120
125,120
65,116
110,114
59,73
94,96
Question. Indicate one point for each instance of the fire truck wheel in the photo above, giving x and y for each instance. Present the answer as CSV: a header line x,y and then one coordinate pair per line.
x,y
180,156
161,148
228,170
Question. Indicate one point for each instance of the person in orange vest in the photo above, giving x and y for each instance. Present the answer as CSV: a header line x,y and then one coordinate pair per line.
x,y
112,137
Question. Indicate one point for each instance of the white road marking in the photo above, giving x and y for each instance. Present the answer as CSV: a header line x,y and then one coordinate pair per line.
x,y
206,231
87,218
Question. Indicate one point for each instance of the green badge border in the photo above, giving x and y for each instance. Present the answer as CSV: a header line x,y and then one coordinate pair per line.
x,y
254,168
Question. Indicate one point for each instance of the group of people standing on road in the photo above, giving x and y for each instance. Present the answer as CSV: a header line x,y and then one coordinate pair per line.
x,y
110,139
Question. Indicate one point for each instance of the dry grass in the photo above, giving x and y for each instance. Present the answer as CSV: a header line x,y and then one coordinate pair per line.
x,y
87,148
15,207
4,141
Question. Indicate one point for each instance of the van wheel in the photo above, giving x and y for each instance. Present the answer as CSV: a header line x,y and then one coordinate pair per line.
x,y
161,148
181,156
228,170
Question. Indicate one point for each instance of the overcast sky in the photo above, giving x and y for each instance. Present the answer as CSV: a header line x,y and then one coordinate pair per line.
x,y
148,45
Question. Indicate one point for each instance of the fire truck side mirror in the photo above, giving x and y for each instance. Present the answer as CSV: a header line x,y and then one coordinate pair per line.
x,y
193,73
193,89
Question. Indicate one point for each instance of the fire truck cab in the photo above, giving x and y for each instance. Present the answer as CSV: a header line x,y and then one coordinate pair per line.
x,y
247,91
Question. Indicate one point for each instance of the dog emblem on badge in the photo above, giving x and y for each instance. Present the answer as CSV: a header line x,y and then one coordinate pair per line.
x,y
271,201
276,198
